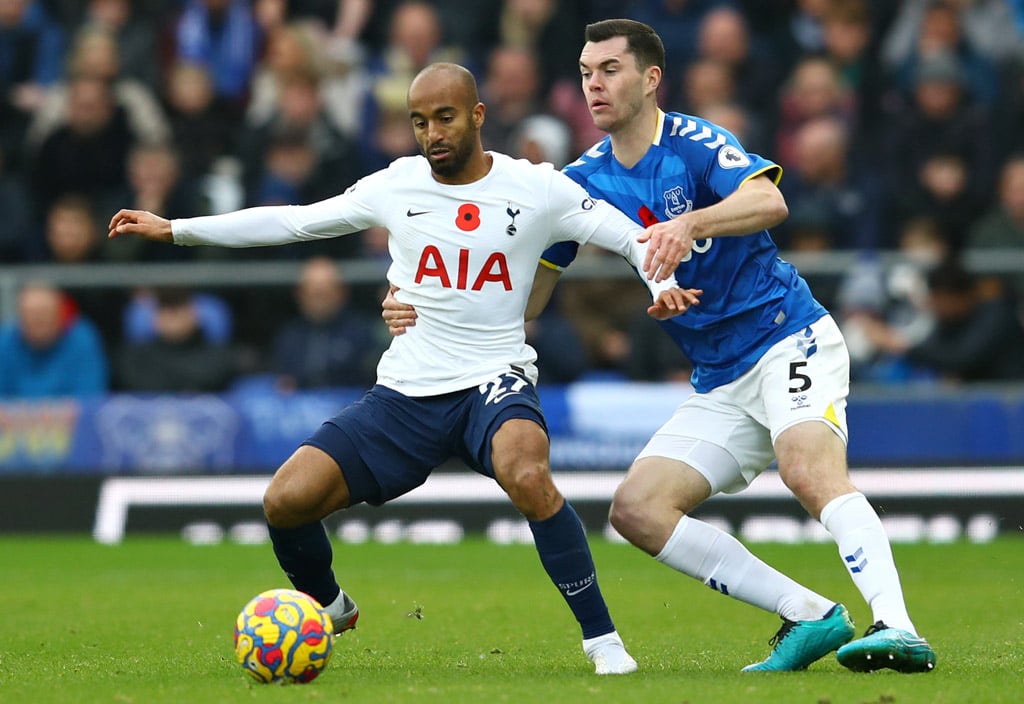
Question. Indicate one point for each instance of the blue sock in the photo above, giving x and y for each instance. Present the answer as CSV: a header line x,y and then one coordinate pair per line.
x,y
562,545
304,554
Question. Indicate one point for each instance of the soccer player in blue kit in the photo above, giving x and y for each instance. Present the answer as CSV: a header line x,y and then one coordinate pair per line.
x,y
466,228
771,369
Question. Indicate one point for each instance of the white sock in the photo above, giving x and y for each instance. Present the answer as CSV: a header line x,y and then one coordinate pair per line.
x,y
865,550
720,561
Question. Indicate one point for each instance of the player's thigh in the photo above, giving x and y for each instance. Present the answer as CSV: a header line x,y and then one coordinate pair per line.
x,y
715,437
506,438
492,443
656,485
806,378
386,444
812,463
307,487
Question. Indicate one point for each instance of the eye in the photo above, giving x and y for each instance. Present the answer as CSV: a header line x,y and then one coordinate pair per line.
x,y
585,74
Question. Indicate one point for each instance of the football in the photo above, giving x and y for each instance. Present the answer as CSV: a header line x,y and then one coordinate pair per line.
x,y
283,635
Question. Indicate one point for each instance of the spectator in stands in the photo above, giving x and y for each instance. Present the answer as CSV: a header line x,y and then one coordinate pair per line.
x,y
94,54
179,358
73,237
872,294
978,334
850,45
213,313
542,138
31,49
49,349
977,34
202,130
511,92
304,48
134,36
1002,227
298,156
822,179
706,83
223,36
813,89
941,132
548,29
330,344
88,152
723,36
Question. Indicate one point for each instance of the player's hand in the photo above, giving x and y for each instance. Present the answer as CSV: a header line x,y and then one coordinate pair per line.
x,y
670,242
673,302
398,316
142,223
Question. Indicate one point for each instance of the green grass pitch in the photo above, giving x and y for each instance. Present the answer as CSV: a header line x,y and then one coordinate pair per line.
x,y
151,621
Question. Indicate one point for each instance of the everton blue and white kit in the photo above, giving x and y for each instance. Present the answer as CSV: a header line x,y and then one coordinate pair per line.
x,y
752,301
465,257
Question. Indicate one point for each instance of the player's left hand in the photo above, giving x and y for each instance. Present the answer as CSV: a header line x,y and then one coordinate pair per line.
x,y
673,302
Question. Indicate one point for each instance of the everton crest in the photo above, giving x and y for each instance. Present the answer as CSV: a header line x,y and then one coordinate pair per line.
x,y
676,202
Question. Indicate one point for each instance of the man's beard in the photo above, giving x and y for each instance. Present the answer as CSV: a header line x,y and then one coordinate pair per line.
x,y
458,156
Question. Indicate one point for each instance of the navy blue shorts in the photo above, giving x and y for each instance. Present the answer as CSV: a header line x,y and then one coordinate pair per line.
x,y
387,444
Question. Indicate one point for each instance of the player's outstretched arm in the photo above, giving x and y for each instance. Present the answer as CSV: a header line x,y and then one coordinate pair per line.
x,y
141,223
673,302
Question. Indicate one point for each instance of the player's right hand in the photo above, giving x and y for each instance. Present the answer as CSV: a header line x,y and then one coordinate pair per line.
x,y
398,316
142,223
673,302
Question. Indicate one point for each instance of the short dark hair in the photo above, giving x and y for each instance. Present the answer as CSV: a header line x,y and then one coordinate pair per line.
x,y
641,40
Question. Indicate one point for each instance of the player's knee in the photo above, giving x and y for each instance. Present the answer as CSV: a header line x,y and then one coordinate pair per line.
x,y
532,490
628,510
283,506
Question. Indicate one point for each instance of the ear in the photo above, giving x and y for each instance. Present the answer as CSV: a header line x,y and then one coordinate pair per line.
x,y
652,78
479,111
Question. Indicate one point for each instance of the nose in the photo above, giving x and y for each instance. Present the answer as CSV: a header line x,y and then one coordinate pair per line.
x,y
435,131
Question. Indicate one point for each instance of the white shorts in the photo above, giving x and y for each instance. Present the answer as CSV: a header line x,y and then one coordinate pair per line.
x,y
727,434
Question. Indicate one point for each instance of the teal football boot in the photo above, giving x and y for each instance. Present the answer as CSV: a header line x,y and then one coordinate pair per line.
x,y
883,647
799,643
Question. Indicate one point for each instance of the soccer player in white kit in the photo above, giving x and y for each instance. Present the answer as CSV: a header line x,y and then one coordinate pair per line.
x,y
466,230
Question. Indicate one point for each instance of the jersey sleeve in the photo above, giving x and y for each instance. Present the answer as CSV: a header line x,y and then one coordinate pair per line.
x,y
580,219
560,255
715,152
265,226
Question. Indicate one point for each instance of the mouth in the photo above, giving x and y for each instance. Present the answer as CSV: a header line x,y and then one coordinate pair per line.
x,y
598,106
439,152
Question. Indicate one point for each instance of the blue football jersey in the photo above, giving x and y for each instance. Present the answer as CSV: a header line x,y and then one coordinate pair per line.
x,y
752,298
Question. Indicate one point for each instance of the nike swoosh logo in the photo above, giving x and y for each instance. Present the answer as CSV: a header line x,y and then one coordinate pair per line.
x,y
574,592
411,214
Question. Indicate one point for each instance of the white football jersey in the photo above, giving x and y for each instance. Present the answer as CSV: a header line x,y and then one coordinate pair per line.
x,y
464,256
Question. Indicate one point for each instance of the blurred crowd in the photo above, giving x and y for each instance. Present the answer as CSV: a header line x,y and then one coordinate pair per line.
x,y
900,126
